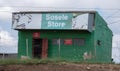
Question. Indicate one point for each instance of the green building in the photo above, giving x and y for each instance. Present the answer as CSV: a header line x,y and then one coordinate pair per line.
x,y
68,35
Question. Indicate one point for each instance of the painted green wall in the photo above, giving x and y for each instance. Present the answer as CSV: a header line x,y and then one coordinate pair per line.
x,y
104,34
99,53
67,52
22,44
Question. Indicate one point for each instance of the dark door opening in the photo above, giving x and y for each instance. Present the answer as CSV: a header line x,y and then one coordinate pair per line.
x,y
37,48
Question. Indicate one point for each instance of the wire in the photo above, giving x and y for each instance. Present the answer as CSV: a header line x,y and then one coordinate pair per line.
x,y
62,8
113,14
115,22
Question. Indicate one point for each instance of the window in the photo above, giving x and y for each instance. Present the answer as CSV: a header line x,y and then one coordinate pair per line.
x,y
55,41
76,41
68,41
62,41
79,41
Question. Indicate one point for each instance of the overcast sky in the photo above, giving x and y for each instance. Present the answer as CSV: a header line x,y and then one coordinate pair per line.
x,y
108,9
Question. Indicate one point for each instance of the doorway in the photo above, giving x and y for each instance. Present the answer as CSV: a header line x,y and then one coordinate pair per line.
x,y
37,48
40,48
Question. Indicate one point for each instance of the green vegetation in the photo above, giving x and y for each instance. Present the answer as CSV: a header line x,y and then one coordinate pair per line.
x,y
41,61
29,61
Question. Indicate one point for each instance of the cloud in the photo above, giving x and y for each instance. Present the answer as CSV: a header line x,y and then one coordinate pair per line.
x,y
116,48
64,3
116,54
43,3
6,40
6,13
6,8
5,16
116,40
35,5
0,28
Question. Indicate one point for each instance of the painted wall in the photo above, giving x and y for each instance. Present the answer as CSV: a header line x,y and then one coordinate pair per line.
x,y
97,48
22,44
103,35
68,52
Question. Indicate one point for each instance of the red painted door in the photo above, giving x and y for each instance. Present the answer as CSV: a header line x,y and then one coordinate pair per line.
x,y
44,48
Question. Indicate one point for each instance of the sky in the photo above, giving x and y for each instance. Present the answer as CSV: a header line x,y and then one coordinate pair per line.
x,y
108,9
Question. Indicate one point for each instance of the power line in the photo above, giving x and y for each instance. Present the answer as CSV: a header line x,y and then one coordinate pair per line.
x,y
115,17
59,7
62,8
115,22
113,14
56,8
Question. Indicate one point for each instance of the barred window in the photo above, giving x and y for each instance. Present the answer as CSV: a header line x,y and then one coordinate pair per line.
x,y
62,41
76,41
79,41
55,41
68,41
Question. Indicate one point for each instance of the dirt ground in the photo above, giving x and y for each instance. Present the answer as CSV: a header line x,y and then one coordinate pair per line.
x,y
61,67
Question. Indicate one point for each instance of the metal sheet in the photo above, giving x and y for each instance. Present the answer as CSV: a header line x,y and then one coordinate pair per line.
x,y
76,21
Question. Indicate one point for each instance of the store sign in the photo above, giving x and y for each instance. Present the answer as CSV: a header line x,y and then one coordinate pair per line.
x,y
56,21
50,21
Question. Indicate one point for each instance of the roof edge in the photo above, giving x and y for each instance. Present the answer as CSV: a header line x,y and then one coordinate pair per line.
x,y
57,10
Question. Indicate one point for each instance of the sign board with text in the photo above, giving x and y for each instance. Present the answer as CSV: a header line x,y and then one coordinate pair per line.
x,y
56,21
78,21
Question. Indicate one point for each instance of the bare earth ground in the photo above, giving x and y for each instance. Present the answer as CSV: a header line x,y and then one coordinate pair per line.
x,y
61,67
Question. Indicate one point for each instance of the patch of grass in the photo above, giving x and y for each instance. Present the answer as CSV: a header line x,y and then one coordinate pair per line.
x,y
28,61
18,61
40,61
